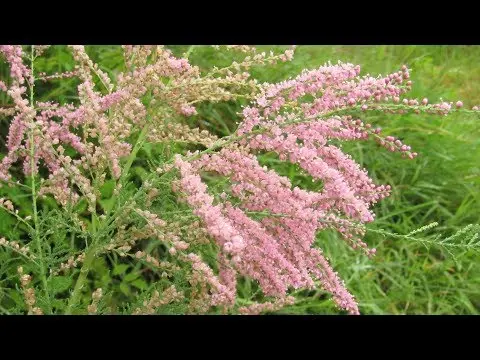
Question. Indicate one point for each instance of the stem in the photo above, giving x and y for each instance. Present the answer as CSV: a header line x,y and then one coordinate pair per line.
x,y
133,154
19,218
94,223
189,51
34,197
77,291
128,165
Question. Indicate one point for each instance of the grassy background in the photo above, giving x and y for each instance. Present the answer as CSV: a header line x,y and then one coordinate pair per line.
x,y
442,184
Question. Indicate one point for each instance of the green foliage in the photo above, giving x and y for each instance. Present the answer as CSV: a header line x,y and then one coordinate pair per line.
x,y
432,270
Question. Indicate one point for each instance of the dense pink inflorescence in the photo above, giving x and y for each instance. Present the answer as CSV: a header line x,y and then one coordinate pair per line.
x,y
279,250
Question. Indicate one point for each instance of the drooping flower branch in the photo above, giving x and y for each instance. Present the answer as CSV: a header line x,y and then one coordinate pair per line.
x,y
280,252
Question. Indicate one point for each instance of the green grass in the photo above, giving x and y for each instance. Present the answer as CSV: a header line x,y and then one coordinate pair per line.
x,y
441,185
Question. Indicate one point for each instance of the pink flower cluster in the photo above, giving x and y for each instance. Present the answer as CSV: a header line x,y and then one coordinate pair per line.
x,y
279,250
18,71
97,129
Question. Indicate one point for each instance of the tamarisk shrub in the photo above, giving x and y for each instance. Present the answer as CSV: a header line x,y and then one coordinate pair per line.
x,y
187,243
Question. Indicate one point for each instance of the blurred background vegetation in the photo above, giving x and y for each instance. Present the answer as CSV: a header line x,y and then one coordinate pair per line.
x,y
441,185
